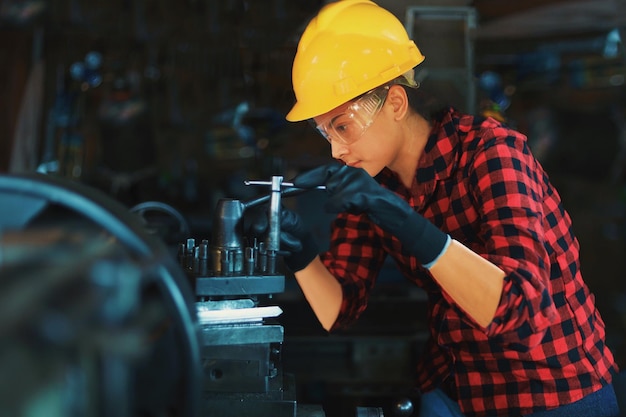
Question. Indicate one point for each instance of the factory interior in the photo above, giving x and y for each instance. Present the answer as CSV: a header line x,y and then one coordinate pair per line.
x,y
128,132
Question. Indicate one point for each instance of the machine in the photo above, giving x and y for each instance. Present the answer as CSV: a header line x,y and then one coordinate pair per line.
x,y
97,319
234,278
100,319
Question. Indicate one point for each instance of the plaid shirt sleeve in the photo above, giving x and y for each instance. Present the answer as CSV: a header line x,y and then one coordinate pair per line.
x,y
354,257
515,202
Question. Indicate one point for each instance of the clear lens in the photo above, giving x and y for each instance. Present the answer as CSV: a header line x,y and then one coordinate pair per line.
x,y
349,126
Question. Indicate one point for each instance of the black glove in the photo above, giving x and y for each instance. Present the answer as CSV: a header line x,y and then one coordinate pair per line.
x,y
294,238
354,191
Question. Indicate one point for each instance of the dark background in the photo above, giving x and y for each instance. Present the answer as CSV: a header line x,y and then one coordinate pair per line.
x,y
188,99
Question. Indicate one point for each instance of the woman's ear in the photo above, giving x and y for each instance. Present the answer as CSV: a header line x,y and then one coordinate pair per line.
x,y
399,101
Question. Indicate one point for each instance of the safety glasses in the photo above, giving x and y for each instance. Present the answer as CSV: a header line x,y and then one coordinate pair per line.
x,y
350,125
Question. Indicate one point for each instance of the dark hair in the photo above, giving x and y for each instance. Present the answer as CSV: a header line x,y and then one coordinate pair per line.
x,y
423,103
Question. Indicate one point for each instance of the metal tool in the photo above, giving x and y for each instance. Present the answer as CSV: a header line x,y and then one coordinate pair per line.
x,y
284,184
241,339
230,256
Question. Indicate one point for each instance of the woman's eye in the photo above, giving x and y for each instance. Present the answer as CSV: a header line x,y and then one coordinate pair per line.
x,y
341,128
343,123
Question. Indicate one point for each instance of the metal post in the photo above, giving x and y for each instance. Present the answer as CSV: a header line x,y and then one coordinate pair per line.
x,y
273,236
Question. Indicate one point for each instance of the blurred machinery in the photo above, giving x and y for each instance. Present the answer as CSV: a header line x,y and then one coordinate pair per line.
x,y
97,319
100,318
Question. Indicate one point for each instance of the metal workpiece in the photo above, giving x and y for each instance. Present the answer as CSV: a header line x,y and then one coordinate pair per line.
x,y
226,244
190,254
202,256
250,260
262,257
227,231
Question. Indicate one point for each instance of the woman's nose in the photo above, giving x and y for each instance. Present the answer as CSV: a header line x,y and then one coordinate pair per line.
x,y
338,150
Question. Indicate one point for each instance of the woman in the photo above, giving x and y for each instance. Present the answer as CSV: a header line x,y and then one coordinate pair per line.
x,y
468,214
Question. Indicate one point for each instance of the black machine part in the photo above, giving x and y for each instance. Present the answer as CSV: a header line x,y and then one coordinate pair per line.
x,y
34,201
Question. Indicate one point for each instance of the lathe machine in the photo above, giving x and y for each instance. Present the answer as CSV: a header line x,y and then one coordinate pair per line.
x,y
99,318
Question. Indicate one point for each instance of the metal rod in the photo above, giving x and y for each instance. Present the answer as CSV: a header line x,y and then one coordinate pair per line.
x,y
273,238
284,184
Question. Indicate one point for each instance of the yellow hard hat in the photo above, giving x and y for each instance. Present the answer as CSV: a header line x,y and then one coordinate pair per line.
x,y
349,48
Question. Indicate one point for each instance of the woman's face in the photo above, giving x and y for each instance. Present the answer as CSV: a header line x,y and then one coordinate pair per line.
x,y
375,148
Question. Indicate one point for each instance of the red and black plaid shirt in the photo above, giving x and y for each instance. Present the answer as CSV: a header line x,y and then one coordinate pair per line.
x,y
478,181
